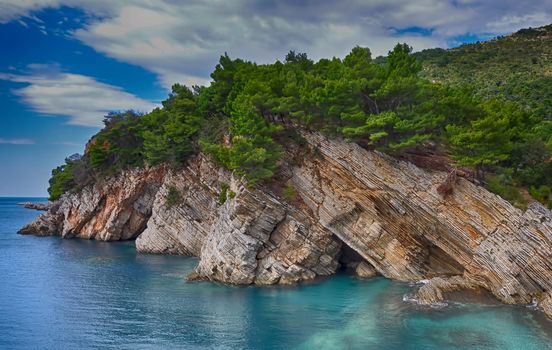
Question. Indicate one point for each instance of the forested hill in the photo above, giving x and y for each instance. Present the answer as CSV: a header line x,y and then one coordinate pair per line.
x,y
517,67
483,106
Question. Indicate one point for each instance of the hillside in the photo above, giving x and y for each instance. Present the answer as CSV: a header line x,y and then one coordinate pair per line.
x,y
250,112
517,67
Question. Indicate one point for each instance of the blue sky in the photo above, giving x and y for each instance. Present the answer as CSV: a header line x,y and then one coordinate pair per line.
x,y
65,63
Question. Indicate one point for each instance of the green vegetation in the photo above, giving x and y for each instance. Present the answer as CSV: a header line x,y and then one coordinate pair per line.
x,y
502,185
128,139
61,181
290,193
249,112
173,197
223,194
72,175
515,67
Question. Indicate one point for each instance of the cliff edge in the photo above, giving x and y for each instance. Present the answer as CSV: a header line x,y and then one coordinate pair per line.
x,y
333,204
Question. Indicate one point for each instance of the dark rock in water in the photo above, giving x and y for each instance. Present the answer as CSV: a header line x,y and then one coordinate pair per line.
x,y
365,270
36,206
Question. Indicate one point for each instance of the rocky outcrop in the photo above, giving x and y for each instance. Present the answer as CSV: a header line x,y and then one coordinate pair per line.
x,y
251,238
353,208
391,213
181,228
365,270
111,210
36,206
433,291
258,239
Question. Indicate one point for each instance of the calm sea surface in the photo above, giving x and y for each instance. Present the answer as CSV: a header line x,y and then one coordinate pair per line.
x,y
76,294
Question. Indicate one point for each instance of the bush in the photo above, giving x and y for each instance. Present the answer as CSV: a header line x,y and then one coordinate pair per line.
x,y
223,195
500,186
290,193
542,193
60,182
74,174
173,197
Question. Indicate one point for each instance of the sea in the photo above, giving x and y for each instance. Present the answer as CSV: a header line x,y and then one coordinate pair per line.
x,y
78,294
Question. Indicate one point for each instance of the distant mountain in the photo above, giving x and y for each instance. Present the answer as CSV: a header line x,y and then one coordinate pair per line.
x,y
516,66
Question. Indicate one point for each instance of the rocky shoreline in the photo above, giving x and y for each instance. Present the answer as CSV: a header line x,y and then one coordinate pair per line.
x,y
36,206
342,207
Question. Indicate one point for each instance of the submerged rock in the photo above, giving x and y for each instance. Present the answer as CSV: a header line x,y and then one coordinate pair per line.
x,y
365,270
433,291
388,212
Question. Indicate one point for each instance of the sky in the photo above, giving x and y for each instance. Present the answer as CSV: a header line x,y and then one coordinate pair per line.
x,y
65,64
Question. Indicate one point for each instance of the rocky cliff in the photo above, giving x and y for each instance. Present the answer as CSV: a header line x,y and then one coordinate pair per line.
x,y
344,206
115,209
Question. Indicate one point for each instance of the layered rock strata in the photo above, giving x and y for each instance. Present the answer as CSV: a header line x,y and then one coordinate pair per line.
x,y
388,212
391,213
253,237
116,209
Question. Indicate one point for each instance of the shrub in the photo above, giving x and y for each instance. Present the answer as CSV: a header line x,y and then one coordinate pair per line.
x,y
223,195
542,193
500,186
290,193
173,197
74,174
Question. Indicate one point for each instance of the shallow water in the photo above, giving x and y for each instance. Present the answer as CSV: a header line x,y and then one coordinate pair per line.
x,y
77,294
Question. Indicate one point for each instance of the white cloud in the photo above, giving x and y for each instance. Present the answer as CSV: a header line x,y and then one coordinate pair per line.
x,y
181,41
12,9
507,22
16,141
84,100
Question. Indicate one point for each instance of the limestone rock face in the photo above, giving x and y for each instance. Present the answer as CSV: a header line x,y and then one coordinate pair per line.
x,y
112,210
390,212
251,238
546,304
353,207
182,228
258,239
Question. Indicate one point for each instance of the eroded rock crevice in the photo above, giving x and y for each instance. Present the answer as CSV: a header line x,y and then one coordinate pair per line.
x,y
352,263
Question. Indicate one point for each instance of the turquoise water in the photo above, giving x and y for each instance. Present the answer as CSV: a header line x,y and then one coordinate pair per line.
x,y
75,294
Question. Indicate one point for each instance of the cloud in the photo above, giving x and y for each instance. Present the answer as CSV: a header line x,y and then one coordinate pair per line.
x,y
82,99
181,41
13,9
507,22
16,141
